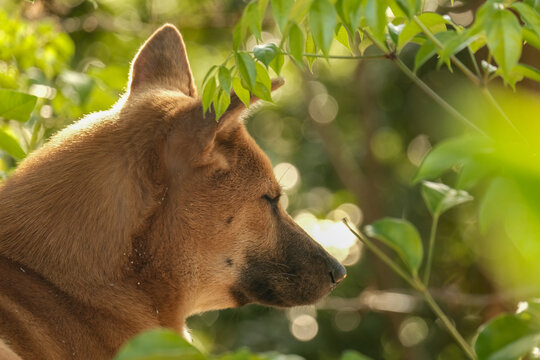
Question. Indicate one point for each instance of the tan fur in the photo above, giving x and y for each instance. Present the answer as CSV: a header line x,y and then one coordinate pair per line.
x,y
142,215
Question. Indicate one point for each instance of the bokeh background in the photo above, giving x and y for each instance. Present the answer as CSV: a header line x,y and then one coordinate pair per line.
x,y
345,140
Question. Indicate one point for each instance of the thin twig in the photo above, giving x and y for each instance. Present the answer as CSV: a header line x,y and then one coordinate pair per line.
x,y
431,245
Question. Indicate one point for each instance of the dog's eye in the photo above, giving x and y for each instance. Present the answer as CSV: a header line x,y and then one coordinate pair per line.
x,y
272,199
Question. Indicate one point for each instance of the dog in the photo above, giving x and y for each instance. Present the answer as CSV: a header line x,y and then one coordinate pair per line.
x,y
142,215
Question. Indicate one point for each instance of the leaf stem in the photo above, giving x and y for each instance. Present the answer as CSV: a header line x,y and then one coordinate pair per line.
x,y
431,245
445,320
454,59
425,88
381,255
416,284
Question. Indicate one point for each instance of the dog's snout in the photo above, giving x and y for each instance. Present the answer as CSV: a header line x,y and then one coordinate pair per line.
x,y
338,273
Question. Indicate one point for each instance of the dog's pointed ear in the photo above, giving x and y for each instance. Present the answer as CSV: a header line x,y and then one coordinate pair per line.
x,y
162,63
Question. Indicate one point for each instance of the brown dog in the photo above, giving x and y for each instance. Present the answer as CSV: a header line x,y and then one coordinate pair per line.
x,y
142,215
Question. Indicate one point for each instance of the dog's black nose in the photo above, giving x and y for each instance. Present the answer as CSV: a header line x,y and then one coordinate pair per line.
x,y
338,273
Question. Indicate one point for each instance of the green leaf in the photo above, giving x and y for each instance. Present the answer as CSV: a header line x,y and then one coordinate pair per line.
x,y
10,145
531,38
322,21
410,7
296,43
158,344
253,19
535,4
401,236
239,33
343,37
281,10
353,355
246,67
375,14
263,84
527,71
262,92
224,76
499,191
241,92
503,38
265,53
529,16
350,12
439,197
394,31
450,153
507,337
221,103
209,92
310,49
429,49
277,63
455,43
262,76
16,105
434,22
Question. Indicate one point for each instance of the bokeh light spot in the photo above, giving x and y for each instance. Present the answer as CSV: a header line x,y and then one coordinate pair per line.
x,y
287,175
304,327
413,331
386,144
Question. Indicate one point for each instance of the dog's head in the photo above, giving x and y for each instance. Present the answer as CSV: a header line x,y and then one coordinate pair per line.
x,y
154,192
224,197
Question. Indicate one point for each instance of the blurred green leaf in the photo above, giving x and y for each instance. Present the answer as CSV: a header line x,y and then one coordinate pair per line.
x,y
452,152
439,197
507,337
265,53
241,92
527,71
531,38
410,7
224,76
296,42
277,63
343,37
10,144
535,4
209,92
394,31
529,16
499,191
322,21
221,103
16,105
246,67
281,10
401,236
76,86
428,49
434,22
375,14
158,344
350,12
253,19
503,37
353,355
263,77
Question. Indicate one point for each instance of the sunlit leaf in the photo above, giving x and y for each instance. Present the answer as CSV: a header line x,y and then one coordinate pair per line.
x,y
529,16
246,67
310,49
322,21
221,103
503,37
401,236
527,71
241,92
531,38
507,337
253,19
439,197
434,22
350,12
343,37
410,7
429,49
455,43
224,76
281,10
16,105
158,344
500,191
296,42
535,4
209,91
10,145
265,53
450,153
277,63
375,14
395,31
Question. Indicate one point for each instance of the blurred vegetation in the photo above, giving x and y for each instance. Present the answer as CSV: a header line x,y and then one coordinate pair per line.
x,y
349,138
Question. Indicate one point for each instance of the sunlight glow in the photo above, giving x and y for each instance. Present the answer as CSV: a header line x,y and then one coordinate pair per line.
x,y
287,175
